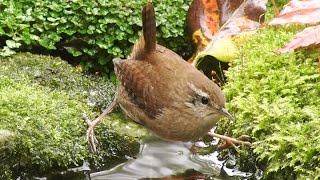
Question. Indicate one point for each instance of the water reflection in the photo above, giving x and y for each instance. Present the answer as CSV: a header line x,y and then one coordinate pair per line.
x,y
159,158
164,160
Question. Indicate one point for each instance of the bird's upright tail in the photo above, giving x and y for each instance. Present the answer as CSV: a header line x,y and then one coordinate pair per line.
x,y
146,43
149,27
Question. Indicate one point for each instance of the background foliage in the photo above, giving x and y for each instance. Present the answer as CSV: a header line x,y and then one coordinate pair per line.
x,y
89,32
275,99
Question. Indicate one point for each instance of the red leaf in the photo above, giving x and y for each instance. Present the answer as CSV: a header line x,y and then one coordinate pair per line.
x,y
211,20
309,36
299,11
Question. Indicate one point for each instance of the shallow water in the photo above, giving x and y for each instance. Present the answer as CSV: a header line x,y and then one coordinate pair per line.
x,y
159,159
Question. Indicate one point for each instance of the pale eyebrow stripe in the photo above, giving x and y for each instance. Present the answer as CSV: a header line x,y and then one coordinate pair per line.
x,y
198,91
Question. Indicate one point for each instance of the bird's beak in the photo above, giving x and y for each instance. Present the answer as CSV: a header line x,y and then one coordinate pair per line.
x,y
224,112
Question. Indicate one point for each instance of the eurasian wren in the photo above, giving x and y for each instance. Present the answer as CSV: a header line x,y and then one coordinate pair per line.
x,y
163,92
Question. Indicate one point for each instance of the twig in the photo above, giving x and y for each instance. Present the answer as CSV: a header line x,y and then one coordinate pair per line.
x,y
275,7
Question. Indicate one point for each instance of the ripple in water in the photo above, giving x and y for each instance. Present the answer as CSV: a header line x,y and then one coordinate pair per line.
x,y
159,158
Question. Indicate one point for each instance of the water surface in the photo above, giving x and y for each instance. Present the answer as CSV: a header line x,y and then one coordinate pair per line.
x,y
159,159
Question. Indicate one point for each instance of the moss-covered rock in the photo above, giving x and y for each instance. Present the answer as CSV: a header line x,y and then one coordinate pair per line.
x,y
41,128
275,99
58,76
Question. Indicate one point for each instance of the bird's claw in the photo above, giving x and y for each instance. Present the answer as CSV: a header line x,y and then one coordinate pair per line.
x,y
90,137
231,142
234,142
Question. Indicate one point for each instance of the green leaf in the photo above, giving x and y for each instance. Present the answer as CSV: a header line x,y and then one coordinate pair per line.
x,y
12,44
2,32
102,61
47,43
6,51
105,26
102,44
75,52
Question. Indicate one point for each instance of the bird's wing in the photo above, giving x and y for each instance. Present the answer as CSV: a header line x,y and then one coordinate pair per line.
x,y
142,85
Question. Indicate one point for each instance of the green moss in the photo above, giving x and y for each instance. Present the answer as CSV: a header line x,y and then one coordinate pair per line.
x,y
58,75
28,110
41,128
270,14
275,99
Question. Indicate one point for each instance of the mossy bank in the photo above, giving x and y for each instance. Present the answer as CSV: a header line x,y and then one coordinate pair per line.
x,y
41,128
275,99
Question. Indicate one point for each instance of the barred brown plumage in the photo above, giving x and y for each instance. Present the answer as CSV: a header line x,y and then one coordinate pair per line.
x,y
163,92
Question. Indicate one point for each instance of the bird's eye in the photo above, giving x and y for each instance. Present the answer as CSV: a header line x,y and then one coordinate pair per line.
x,y
204,100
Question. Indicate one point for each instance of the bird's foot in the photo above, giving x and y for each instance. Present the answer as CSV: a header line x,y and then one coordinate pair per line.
x,y
230,142
90,137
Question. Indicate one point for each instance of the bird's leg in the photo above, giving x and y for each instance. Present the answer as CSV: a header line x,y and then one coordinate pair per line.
x,y
229,141
90,137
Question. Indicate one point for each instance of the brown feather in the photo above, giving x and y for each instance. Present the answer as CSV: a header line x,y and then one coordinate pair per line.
x,y
149,28
138,49
134,76
158,89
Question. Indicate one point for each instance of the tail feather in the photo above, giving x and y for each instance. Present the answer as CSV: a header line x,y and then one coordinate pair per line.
x,y
146,43
138,51
149,27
